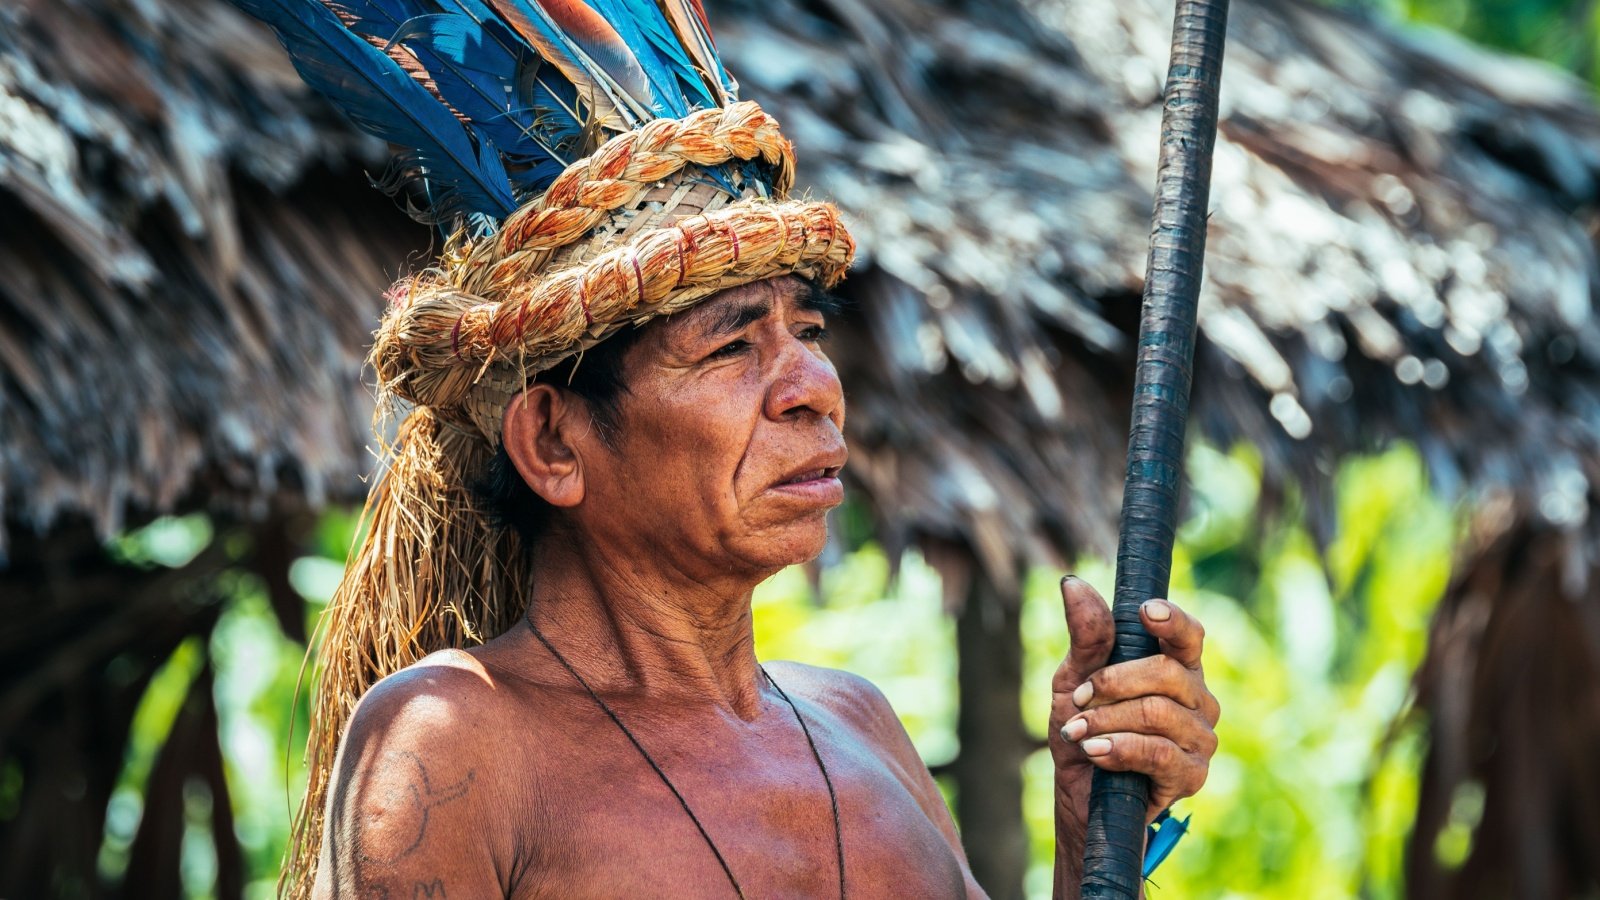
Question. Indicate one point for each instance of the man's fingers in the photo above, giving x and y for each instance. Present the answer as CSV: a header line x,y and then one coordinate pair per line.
x,y
1091,629
1152,716
1173,773
1159,675
1182,636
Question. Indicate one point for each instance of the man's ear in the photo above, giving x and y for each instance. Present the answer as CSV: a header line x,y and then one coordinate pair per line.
x,y
541,430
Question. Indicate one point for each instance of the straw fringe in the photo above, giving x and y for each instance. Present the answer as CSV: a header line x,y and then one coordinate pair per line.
x,y
432,573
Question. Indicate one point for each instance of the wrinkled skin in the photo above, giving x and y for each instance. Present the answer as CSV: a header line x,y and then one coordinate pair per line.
x,y
494,772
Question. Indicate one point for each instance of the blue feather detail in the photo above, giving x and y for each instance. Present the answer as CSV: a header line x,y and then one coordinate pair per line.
x,y
480,79
638,31
658,32
463,174
489,100
1162,837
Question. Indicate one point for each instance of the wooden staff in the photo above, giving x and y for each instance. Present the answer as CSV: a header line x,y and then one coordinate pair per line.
x,y
1114,846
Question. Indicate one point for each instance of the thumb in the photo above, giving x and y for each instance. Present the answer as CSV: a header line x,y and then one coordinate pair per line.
x,y
1092,631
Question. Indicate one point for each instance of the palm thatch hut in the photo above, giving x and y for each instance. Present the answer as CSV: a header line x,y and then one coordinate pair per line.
x,y
1403,247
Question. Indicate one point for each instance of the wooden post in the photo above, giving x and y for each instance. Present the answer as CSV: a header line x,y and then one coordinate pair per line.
x,y
994,744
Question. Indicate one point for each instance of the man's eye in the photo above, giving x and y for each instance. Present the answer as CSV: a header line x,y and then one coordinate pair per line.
x,y
731,348
815,334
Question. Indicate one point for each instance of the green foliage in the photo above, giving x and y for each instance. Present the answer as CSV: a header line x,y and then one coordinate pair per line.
x,y
264,720
1311,794
170,541
152,722
1564,33
1312,791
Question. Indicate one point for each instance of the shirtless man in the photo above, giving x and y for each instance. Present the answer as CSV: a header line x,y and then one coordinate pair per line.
x,y
626,742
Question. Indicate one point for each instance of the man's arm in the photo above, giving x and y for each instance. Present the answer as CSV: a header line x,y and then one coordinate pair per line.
x,y
408,806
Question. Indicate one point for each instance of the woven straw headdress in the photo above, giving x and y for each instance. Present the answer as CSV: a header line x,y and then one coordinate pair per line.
x,y
593,170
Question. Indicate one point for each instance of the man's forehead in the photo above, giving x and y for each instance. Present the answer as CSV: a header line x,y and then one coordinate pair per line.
x,y
769,291
730,310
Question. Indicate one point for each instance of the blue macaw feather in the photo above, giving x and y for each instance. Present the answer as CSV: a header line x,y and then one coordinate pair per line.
x,y
1163,836
668,93
485,74
479,78
377,94
657,31
491,99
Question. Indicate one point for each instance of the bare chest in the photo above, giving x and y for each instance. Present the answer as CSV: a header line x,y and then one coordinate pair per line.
x,y
754,812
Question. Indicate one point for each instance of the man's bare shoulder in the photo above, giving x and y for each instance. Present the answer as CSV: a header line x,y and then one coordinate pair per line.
x,y
440,692
416,769
847,695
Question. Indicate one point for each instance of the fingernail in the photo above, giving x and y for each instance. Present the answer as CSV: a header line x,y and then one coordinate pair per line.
x,y
1096,747
1157,610
1067,578
1083,694
1075,729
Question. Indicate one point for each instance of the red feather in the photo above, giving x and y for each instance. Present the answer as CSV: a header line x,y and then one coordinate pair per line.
x,y
584,47
688,20
601,43
705,23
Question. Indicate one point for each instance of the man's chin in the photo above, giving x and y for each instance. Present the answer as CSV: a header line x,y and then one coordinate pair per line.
x,y
795,544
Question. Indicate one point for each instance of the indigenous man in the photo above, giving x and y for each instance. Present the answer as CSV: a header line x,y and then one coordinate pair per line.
x,y
620,419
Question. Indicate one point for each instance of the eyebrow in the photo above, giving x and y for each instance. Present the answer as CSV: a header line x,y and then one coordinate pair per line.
x,y
732,319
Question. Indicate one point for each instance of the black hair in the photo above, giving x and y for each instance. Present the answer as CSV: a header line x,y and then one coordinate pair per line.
x,y
596,377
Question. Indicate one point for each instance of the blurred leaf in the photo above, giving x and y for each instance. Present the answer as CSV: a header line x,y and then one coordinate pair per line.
x,y
170,541
152,722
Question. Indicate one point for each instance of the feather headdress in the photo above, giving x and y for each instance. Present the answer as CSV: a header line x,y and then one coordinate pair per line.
x,y
491,99
593,168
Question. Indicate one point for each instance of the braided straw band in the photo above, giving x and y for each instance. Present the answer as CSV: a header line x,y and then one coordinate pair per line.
x,y
468,358
616,176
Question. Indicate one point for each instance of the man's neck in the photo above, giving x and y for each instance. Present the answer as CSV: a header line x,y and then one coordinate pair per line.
x,y
648,630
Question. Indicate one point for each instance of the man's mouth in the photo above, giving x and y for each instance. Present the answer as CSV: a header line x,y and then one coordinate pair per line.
x,y
815,475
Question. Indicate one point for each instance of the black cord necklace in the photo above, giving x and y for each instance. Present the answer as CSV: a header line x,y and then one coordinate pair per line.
x,y
833,800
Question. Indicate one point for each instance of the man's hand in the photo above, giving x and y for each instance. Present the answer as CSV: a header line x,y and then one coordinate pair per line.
x,y
1152,715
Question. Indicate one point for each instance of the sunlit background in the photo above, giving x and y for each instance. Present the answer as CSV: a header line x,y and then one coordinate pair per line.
x,y
1311,794
1325,521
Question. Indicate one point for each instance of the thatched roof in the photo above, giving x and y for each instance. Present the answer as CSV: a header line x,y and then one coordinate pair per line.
x,y
1401,247
192,266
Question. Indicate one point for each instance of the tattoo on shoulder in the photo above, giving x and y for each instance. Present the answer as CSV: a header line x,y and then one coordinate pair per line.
x,y
421,796
433,890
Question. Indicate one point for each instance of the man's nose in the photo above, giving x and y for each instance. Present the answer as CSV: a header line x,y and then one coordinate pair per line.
x,y
806,383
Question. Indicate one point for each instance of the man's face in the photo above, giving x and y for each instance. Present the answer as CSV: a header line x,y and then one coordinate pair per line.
x,y
730,437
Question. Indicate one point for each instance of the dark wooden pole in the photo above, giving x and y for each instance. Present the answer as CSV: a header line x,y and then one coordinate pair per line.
x,y
994,739
1114,848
